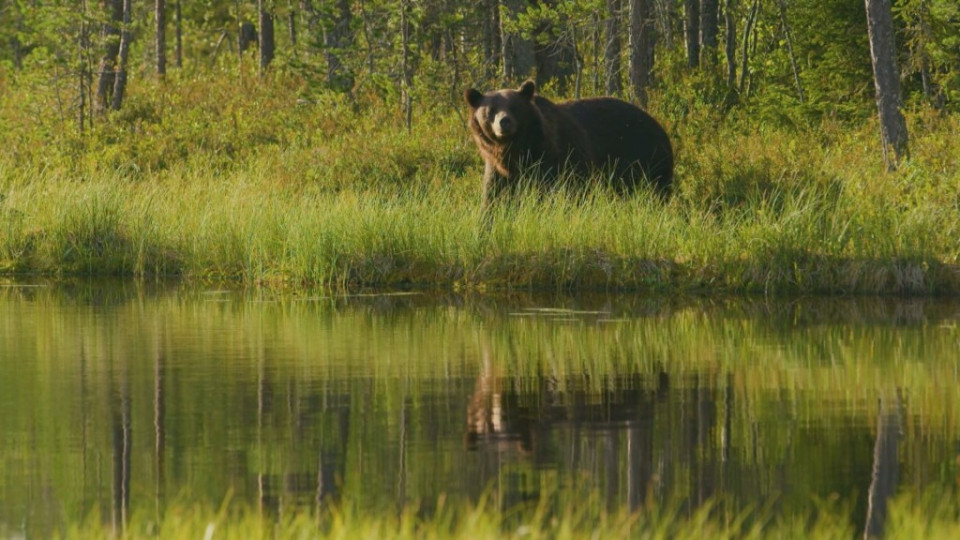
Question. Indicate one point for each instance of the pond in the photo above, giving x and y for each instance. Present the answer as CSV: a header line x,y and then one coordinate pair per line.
x,y
118,399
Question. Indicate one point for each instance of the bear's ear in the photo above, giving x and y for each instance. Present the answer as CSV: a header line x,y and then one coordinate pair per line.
x,y
527,89
473,97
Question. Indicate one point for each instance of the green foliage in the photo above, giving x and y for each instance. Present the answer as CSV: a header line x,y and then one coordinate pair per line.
x,y
932,38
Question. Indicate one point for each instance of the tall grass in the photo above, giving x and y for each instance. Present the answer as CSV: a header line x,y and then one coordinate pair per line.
x,y
199,181
931,515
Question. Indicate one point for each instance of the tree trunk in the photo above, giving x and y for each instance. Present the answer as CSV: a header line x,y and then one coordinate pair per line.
x,y
666,11
84,75
709,28
120,83
16,46
292,24
405,74
611,55
886,78
110,37
367,36
490,34
555,51
747,31
266,36
691,10
517,51
793,57
730,48
336,40
160,16
642,40
179,31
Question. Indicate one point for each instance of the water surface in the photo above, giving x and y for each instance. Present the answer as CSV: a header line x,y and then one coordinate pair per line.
x,y
117,400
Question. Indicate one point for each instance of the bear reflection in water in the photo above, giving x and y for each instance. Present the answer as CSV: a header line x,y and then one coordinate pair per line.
x,y
559,425
502,417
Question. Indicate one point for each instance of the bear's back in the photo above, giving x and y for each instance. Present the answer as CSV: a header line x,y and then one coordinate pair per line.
x,y
624,135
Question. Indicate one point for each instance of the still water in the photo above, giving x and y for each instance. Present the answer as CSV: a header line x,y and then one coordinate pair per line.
x,y
118,399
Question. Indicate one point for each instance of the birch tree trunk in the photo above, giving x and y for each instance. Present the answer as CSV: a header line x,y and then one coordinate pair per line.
x,y
107,71
730,45
793,57
747,31
886,79
120,82
178,24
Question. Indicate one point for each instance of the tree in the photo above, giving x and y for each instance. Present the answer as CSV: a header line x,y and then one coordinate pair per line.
x,y
337,39
691,29
179,31
491,36
517,50
709,28
126,36
642,41
266,36
161,36
405,63
110,37
748,31
930,35
612,50
730,43
886,78
793,58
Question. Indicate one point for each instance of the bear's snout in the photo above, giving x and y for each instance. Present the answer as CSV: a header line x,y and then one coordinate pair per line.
x,y
503,125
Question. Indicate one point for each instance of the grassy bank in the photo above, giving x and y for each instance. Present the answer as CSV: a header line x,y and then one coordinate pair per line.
x,y
199,180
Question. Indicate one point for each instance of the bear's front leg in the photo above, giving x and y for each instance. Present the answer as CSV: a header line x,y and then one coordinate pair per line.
x,y
494,184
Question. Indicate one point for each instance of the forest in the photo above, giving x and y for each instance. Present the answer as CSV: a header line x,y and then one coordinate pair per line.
x,y
356,108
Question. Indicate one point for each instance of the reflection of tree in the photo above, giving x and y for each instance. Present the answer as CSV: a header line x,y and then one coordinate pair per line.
x,y
122,446
886,466
159,429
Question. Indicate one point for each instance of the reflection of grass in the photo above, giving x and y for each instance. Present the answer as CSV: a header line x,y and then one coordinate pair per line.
x,y
336,195
932,515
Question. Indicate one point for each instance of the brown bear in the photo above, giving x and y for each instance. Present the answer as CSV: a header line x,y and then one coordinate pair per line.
x,y
520,133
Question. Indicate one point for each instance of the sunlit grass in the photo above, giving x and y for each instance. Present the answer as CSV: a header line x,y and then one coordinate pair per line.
x,y
244,228
931,515
333,195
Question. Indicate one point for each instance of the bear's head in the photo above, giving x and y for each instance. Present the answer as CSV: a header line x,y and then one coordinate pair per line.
x,y
500,116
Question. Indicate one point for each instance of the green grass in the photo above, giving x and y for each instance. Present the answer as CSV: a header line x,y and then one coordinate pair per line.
x,y
197,180
929,516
